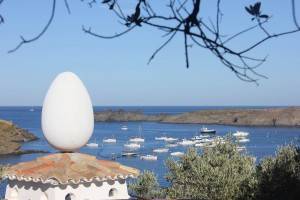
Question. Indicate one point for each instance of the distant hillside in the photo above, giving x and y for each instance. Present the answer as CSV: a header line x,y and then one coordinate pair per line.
x,y
247,117
11,138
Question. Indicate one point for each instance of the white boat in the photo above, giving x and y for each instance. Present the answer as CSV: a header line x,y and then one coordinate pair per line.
x,y
240,134
177,154
205,140
170,139
137,140
200,137
124,128
92,145
148,157
161,150
200,144
31,110
241,148
219,140
110,140
186,142
129,154
132,146
243,140
205,130
161,138
170,145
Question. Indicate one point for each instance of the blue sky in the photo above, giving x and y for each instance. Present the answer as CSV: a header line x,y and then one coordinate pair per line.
x,y
116,71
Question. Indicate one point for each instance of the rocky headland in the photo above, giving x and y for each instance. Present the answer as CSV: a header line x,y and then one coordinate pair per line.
x,y
240,117
12,137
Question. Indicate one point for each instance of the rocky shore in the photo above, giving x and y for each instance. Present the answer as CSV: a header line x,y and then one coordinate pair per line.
x,y
240,117
12,137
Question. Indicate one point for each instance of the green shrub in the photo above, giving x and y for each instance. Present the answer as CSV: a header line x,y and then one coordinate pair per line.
x,y
219,173
146,186
222,173
279,176
2,169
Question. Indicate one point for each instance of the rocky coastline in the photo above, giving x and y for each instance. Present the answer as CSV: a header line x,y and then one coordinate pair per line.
x,y
12,138
289,116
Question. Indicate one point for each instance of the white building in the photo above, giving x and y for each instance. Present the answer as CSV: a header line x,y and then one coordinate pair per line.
x,y
68,176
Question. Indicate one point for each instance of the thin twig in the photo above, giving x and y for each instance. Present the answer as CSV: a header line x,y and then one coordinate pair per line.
x,y
67,6
25,41
294,14
89,31
186,51
161,47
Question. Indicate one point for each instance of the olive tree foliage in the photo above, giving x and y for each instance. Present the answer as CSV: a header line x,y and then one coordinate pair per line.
x,y
279,176
223,173
185,18
2,169
146,186
218,173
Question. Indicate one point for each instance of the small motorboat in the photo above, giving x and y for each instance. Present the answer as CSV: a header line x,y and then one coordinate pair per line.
x,y
186,142
161,138
170,145
205,130
148,157
31,109
200,144
240,134
200,137
243,140
124,128
132,146
170,139
177,154
137,140
205,140
129,154
241,148
92,145
109,140
161,150
219,140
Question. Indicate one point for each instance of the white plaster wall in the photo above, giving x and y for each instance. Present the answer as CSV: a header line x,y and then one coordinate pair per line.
x,y
20,190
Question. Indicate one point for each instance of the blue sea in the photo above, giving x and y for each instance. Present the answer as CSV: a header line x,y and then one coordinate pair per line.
x,y
263,140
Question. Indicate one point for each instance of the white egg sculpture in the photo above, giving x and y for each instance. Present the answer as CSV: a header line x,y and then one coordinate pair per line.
x,y
67,114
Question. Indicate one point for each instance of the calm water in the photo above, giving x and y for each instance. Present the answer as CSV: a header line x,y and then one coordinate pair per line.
x,y
263,140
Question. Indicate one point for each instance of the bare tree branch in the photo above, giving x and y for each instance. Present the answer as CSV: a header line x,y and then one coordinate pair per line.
x,y
186,51
25,41
1,17
184,14
67,6
294,14
184,17
89,31
161,47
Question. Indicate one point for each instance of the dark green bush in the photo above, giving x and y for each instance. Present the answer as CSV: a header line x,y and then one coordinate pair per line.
x,y
146,186
218,173
279,176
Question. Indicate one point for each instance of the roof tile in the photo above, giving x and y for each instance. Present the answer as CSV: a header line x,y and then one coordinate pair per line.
x,y
64,168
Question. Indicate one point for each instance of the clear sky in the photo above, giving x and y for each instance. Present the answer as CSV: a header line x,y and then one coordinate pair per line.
x,y
116,71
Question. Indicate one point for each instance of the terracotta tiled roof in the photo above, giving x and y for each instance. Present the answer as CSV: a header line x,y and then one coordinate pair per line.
x,y
65,168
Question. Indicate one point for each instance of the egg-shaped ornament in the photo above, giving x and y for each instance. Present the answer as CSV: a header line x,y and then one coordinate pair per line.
x,y
67,114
